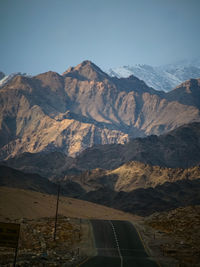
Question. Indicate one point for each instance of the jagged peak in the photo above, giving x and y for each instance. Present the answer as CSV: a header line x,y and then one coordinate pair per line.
x,y
51,79
48,74
191,83
86,62
87,70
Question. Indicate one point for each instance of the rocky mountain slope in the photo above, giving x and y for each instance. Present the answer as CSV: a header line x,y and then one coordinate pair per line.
x,y
131,176
187,93
10,177
179,231
163,78
139,188
134,187
144,202
81,108
130,198
13,178
45,164
6,79
179,148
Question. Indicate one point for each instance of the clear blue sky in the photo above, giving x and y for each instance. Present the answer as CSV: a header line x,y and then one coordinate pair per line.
x,y
41,35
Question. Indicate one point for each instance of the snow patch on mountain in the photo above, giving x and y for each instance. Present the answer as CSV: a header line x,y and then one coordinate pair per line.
x,y
164,77
8,78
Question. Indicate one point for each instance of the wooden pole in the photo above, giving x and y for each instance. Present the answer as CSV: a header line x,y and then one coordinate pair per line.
x,y
16,250
56,217
15,258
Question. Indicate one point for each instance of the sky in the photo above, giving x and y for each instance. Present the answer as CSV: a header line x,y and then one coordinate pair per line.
x,y
41,35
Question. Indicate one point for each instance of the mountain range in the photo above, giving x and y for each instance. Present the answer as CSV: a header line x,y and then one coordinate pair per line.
x,y
84,107
145,201
178,148
164,77
135,194
113,141
143,161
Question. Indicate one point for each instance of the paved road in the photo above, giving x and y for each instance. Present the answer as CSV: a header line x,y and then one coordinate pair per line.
x,y
118,245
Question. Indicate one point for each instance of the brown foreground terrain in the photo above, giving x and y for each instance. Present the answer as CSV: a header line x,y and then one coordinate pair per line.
x,y
170,237
18,203
35,212
180,231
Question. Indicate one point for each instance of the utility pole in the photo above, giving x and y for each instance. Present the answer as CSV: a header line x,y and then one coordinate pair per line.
x,y
56,217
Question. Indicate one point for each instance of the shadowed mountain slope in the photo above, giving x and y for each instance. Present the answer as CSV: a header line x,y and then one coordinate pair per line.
x,y
178,148
187,93
10,177
144,202
13,178
45,164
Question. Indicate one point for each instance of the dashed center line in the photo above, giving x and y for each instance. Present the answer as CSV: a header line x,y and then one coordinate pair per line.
x,y
116,240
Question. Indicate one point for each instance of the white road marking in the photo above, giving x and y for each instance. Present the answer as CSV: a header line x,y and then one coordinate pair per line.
x,y
116,239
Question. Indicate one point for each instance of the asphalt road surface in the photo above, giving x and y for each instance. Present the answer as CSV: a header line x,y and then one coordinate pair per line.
x,y
118,245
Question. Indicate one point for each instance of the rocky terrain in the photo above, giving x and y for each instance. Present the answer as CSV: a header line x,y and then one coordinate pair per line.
x,y
131,176
84,107
179,231
37,247
144,202
112,141
7,78
170,237
35,212
135,187
187,93
178,149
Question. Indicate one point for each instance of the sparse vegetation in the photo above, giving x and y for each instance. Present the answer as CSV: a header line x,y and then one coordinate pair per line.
x,y
36,244
182,229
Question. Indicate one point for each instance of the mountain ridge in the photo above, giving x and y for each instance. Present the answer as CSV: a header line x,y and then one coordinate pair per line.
x,y
164,77
81,108
145,202
140,201
130,176
176,149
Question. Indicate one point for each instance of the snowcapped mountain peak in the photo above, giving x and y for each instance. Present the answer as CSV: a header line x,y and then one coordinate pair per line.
x,y
160,78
